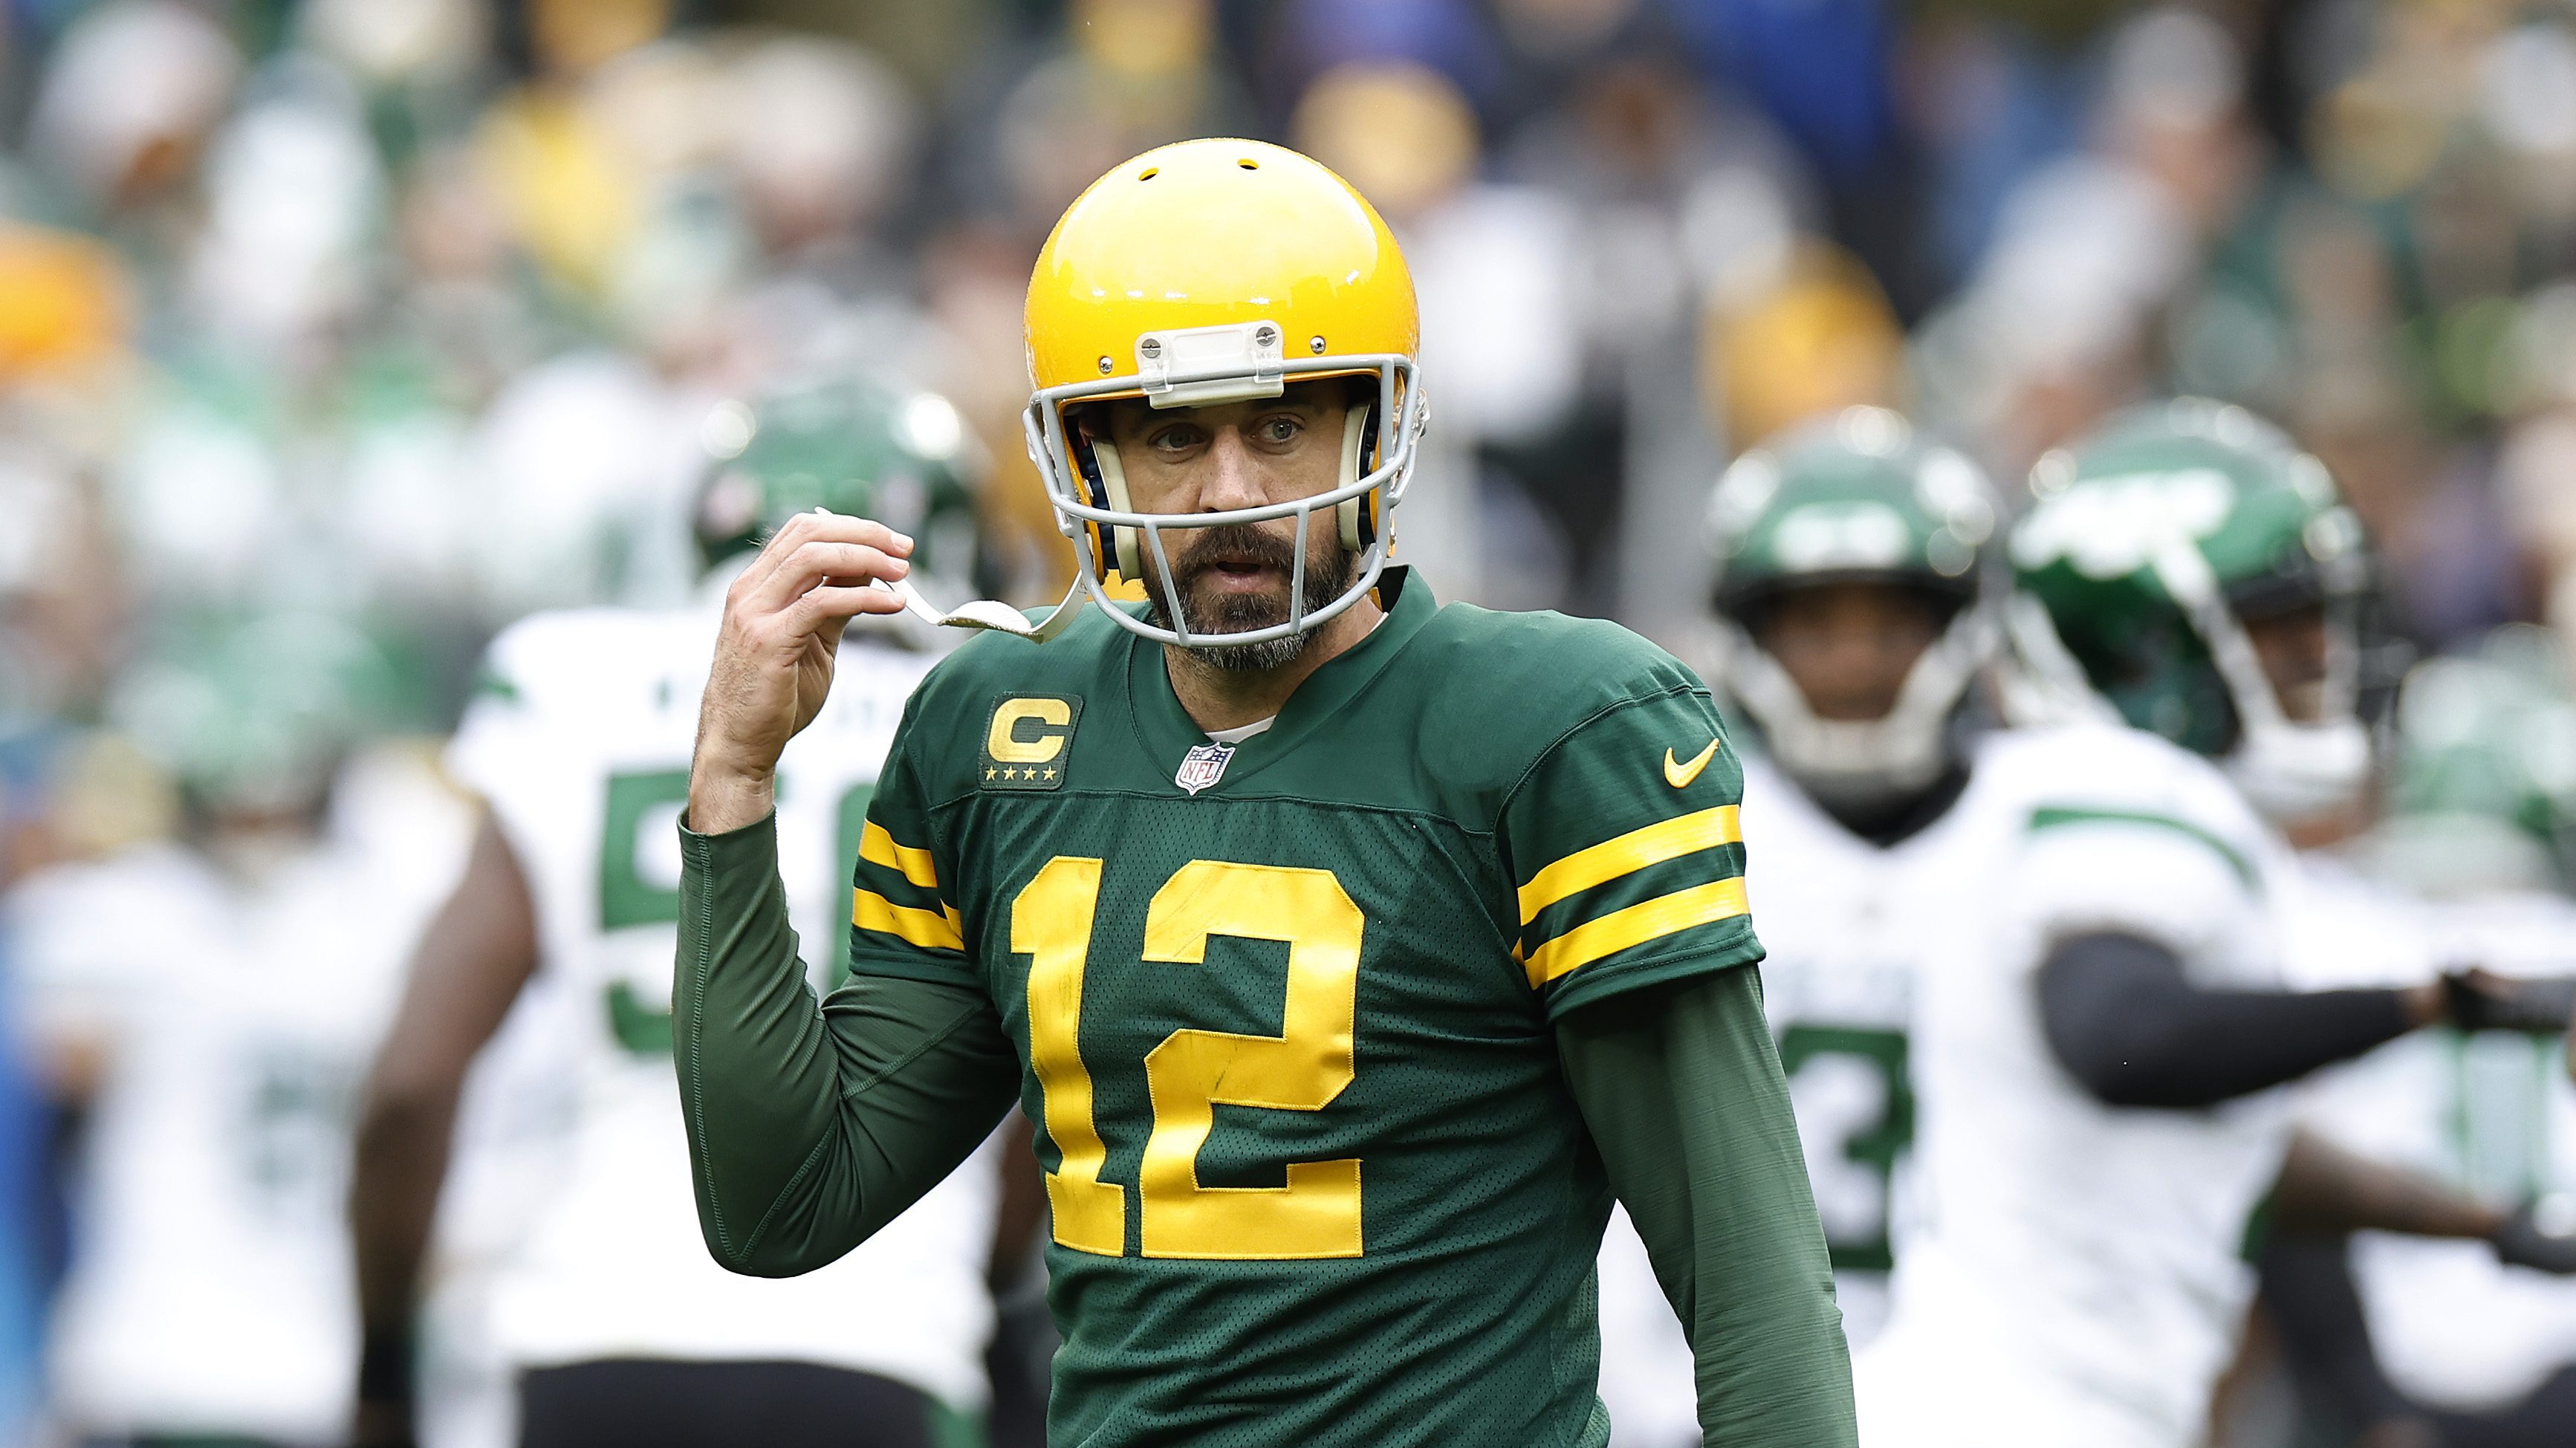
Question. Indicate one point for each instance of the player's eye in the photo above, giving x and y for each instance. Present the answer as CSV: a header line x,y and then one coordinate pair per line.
x,y
1178,438
1278,429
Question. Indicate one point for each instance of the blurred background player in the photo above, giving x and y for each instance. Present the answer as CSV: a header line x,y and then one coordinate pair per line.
x,y
1854,617
2191,570
206,1009
620,1327
1857,596
2453,859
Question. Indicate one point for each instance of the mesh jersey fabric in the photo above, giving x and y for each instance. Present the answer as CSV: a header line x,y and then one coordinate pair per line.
x,y
1314,1171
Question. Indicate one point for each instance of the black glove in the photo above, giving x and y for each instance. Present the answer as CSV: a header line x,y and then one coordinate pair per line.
x,y
2541,1235
2481,1000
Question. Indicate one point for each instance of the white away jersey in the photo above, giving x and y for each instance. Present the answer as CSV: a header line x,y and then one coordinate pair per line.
x,y
2492,1113
580,742
2066,1272
210,1293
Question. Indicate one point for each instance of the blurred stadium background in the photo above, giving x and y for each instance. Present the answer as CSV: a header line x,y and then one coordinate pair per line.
x,y
335,335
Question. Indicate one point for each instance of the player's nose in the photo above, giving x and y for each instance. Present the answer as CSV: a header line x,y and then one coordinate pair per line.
x,y
1234,475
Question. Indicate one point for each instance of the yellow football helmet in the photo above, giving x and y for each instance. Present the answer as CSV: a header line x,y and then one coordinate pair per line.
x,y
1209,272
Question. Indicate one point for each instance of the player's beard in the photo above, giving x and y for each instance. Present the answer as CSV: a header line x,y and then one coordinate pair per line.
x,y
1328,576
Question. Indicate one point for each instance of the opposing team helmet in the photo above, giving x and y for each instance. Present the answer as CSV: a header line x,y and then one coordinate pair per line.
x,y
1860,497
2482,795
254,711
1211,272
2146,548
852,443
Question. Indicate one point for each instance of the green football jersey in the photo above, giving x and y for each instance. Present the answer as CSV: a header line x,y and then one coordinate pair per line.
x,y
1285,1010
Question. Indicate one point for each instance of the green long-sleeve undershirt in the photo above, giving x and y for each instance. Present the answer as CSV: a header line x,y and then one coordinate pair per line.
x,y
812,1126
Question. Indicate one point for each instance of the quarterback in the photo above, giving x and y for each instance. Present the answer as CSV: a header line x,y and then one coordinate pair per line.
x,y
1349,952
619,1329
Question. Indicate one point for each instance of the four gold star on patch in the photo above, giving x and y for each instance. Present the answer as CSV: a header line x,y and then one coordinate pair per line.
x,y
1027,740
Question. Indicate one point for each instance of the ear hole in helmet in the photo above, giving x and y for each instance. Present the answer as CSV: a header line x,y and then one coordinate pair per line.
x,y
1357,517
1105,485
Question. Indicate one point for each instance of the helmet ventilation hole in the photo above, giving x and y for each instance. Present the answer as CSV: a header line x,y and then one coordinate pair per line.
x,y
1249,164
1149,173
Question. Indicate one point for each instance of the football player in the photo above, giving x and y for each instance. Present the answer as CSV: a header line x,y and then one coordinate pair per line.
x,y
578,743
1923,876
1349,951
1854,616
206,1008
2462,1340
2096,1129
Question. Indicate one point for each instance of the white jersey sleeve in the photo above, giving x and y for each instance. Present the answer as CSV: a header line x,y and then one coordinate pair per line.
x,y
2124,834
540,727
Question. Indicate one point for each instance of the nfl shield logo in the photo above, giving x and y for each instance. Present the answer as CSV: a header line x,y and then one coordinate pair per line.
x,y
1202,766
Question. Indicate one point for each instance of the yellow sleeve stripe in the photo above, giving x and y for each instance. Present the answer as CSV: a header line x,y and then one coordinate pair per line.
x,y
878,848
929,929
1665,840
1639,923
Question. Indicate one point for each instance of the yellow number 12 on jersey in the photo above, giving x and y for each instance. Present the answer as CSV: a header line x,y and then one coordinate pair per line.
x,y
1317,1214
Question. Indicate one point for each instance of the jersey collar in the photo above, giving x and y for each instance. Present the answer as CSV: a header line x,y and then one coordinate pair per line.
x,y
1167,731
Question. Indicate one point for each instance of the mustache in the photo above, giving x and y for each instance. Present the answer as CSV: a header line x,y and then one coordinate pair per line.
x,y
1235,542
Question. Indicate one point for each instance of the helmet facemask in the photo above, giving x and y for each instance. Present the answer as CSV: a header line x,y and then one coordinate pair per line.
x,y
1865,765
2291,770
1087,486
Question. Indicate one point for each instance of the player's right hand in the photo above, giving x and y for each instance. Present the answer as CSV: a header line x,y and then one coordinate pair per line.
x,y
2541,1235
773,666
2476,999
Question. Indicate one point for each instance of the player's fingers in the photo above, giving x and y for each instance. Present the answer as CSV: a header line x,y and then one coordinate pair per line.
x,y
827,633
818,526
816,561
832,605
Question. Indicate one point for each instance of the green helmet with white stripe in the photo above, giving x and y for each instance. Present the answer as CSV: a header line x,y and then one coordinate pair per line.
x,y
2150,544
1859,497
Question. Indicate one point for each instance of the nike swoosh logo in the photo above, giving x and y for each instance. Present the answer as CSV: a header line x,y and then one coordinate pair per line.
x,y
1680,775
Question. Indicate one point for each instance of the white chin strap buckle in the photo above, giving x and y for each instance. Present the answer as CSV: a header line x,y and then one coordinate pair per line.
x,y
985,613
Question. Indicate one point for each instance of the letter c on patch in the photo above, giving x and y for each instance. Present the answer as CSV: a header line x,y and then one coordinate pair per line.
x,y
1010,743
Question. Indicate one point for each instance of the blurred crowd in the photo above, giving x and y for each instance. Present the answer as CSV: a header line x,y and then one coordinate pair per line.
x,y
337,334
